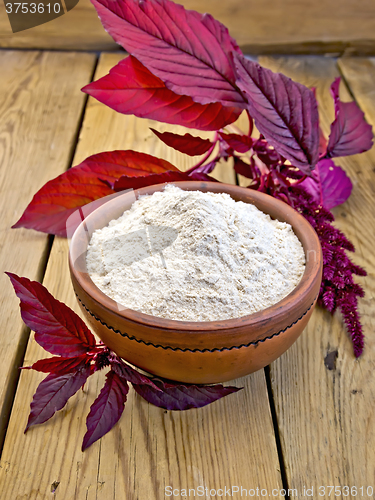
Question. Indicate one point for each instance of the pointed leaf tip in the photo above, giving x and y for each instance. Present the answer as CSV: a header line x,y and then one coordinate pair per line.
x,y
83,184
168,394
240,143
126,182
186,144
192,54
329,184
57,364
177,396
130,88
350,133
107,409
284,111
54,392
58,329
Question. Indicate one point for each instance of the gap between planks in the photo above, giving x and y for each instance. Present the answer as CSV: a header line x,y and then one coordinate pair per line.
x,y
325,416
35,143
290,26
229,442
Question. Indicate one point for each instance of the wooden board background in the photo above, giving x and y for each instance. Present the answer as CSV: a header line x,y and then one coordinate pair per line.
x,y
326,417
230,442
36,144
260,27
323,418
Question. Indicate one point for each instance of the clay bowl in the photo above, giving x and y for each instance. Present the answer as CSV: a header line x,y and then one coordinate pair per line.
x,y
198,352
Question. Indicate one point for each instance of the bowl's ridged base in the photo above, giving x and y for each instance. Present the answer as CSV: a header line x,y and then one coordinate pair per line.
x,y
196,366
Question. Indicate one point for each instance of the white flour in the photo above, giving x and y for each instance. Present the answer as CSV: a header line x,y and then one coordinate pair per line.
x,y
194,256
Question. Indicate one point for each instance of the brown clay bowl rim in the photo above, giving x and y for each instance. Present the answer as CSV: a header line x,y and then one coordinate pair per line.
x,y
284,308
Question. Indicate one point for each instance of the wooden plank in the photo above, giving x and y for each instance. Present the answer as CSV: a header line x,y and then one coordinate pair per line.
x,y
359,73
325,416
230,442
40,107
267,27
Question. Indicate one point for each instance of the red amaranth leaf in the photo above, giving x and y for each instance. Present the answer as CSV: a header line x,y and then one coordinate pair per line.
x,y
53,393
329,185
57,364
106,410
350,134
240,143
57,200
126,182
182,397
58,329
186,144
190,52
284,111
130,88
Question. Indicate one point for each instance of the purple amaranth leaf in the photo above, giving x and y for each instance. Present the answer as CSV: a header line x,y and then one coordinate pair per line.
x,y
201,170
285,112
190,52
186,144
182,397
128,373
53,393
106,410
170,395
350,134
58,329
329,185
130,88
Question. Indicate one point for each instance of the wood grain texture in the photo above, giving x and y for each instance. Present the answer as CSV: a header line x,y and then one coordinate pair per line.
x,y
325,416
359,73
230,442
35,145
270,26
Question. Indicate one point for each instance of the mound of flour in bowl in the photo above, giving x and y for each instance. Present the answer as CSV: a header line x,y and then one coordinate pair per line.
x,y
194,256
